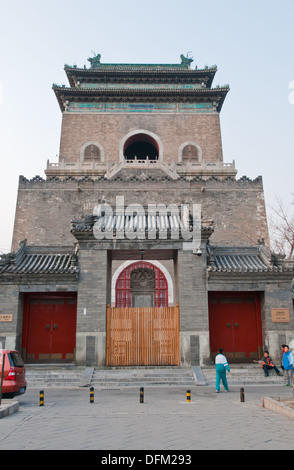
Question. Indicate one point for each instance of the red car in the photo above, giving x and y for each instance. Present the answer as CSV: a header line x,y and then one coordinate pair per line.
x,y
14,374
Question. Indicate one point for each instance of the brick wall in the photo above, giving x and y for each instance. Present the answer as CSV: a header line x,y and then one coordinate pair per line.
x,y
45,208
109,130
9,305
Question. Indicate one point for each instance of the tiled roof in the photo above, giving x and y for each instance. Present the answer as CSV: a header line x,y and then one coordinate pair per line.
x,y
120,73
139,223
245,259
38,261
238,263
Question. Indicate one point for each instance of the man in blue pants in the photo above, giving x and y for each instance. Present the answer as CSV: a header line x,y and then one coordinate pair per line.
x,y
221,368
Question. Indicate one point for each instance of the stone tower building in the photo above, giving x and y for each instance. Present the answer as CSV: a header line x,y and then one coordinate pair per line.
x,y
140,246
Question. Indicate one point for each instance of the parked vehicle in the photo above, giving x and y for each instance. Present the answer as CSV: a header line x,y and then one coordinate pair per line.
x,y
14,374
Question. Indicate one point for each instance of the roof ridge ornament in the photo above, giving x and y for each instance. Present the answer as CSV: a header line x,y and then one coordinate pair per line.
x,y
95,61
186,60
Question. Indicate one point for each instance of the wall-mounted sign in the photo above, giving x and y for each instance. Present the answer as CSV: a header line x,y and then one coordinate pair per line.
x,y
5,317
280,315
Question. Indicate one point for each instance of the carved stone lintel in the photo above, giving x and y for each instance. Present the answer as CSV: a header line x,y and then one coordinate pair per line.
x,y
142,280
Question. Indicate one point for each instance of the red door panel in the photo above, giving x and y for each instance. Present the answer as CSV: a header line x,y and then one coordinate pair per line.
x,y
221,329
245,329
63,330
39,331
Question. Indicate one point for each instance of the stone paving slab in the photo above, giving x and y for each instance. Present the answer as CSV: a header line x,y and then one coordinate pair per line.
x,y
166,421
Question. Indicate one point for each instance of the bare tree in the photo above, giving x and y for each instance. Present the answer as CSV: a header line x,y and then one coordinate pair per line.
x,y
281,227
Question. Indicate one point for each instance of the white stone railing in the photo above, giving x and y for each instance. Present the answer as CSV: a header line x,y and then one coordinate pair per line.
x,y
78,165
204,165
110,169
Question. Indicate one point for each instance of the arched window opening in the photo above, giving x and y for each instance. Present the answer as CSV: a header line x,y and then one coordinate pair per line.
x,y
92,152
190,154
124,291
142,147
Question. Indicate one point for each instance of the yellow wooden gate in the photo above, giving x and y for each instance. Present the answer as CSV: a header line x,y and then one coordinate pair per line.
x,y
143,336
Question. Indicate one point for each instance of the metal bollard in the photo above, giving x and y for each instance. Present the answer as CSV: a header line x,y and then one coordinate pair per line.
x,y
42,398
188,395
142,395
92,395
242,395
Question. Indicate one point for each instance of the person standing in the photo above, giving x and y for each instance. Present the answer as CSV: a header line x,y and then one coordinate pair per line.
x,y
221,369
282,353
288,361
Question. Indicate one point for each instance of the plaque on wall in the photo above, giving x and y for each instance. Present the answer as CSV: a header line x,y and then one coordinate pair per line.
x,y
5,317
280,315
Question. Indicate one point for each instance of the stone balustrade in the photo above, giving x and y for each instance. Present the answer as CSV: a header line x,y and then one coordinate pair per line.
x,y
110,169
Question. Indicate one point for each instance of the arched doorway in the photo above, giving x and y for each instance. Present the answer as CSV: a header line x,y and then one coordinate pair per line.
x,y
124,294
142,147
142,330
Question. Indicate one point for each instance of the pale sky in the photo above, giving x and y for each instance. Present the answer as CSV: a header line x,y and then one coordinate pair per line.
x,y
251,42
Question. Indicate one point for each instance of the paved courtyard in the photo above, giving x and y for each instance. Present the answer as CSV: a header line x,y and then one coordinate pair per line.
x,y
165,421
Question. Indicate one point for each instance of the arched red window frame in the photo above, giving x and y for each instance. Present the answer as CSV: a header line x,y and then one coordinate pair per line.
x,y
123,296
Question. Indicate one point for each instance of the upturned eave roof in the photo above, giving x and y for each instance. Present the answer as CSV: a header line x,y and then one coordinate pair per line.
x,y
216,95
245,259
38,261
131,72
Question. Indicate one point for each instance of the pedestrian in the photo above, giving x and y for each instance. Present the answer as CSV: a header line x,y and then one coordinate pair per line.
x,y
221,369
267,364
282,353
288,365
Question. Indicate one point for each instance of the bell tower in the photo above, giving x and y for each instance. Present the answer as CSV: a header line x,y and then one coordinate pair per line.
x,y
150,116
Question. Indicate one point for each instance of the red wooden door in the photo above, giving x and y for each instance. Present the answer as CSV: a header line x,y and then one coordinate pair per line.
x,y
49,330
235,325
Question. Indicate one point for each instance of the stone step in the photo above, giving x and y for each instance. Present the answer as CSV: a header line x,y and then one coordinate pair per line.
x,y
42,376
58,376
244,375
54,376
118,378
